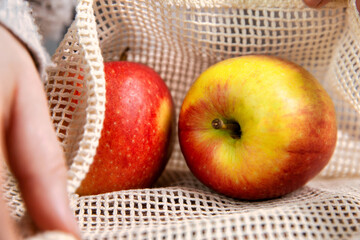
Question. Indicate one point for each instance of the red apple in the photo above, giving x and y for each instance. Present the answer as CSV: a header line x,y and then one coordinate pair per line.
x,y
136,139
256,127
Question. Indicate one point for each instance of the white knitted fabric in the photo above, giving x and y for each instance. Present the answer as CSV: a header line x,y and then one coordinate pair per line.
x,y
180,39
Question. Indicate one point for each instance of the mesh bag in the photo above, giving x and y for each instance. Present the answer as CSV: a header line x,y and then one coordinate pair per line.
x,y
179,39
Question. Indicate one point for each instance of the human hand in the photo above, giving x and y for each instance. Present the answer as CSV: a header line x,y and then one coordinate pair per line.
x,y
29,145
320,3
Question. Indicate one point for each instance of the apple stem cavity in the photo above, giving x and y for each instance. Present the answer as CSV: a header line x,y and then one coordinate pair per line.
x,y
232,126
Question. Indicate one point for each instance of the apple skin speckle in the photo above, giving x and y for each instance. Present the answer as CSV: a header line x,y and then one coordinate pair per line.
x,y
133,152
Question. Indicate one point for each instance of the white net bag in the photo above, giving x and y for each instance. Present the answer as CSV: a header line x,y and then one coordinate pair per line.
x,y
179,39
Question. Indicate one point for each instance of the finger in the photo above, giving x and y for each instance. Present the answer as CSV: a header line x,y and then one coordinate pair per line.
x,y
36,158
315,3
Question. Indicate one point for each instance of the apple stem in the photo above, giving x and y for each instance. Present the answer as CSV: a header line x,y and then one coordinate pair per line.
x,y
123,56
233,126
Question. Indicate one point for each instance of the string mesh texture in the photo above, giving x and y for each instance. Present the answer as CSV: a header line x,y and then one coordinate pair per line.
x,y
179,39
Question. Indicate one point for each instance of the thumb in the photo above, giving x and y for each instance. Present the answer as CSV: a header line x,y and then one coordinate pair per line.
x,y
36,158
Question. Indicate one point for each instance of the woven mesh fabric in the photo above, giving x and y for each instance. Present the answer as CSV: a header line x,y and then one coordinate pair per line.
x,y
179,39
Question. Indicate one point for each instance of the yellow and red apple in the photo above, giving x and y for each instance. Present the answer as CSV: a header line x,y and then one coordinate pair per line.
x,y
256,127
136,139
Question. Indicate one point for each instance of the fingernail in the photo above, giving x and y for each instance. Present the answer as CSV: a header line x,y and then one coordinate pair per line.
x,y
321,3
315,3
